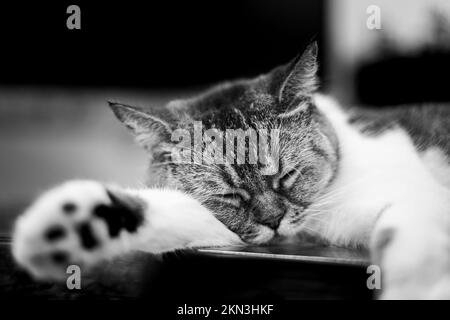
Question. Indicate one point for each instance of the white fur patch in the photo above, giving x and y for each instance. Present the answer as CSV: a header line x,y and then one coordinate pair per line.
x,y
173,220
438,164
374,172
384,184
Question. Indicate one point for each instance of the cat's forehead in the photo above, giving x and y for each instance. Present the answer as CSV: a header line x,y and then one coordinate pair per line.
x,y
239,104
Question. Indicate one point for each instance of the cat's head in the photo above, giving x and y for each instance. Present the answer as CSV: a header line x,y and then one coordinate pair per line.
x,y
255,200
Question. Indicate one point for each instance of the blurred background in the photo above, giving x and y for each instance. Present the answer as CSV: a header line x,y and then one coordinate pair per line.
x,y
54,82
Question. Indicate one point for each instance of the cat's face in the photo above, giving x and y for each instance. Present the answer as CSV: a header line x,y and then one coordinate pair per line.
x,y
255,200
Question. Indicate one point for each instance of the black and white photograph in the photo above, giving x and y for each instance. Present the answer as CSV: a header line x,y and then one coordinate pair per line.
x,y
225,158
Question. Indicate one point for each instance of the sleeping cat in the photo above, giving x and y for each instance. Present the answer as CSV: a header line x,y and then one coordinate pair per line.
x,y
345,176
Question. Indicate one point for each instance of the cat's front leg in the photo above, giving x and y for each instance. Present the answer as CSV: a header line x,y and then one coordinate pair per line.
x,y
86,222
411,244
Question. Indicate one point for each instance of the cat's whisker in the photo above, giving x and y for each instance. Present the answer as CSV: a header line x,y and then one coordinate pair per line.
x,y
310,230
315,219
318,212
350,186
185,163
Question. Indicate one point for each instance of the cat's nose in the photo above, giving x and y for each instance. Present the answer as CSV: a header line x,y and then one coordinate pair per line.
x,y
272,222
268,210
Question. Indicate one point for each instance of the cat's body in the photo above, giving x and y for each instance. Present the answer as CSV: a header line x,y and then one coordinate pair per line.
x,y
347,177
380,165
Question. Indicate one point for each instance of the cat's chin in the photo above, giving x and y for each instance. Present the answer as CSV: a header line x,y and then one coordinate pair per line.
x,y
264,235
287,229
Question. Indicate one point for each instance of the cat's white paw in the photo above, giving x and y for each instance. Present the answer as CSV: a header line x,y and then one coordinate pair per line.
x,y
414,258
79,222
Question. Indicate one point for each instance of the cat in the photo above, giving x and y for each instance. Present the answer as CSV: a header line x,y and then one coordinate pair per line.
x,y
347,176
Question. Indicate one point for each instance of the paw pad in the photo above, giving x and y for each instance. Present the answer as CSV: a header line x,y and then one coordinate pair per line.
x,y
55,233
69,208
123,214
60,257
87,237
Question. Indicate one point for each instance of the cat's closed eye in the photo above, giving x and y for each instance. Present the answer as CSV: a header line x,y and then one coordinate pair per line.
x,y
234,197
288,179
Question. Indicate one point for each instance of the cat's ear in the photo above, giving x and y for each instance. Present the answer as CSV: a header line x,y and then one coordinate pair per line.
x,y
300,76
148,129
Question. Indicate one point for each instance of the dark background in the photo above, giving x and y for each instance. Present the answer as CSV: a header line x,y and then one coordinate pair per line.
x,y
154,44
179,44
